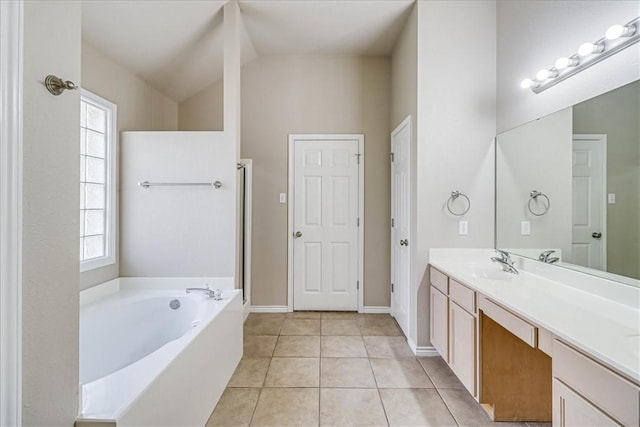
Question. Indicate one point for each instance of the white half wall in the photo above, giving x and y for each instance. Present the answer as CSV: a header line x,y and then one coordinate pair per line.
x,y
533,34
177,231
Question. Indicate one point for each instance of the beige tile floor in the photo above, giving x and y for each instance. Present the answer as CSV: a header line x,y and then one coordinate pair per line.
x,y
340,369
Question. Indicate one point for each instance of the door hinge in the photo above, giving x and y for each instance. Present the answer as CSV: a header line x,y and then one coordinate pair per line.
x,y
393,222
358,222
357,284
358,157
392,287
392,157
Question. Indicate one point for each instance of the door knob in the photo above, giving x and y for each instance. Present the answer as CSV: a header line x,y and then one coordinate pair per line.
x,y
297,234
596,235
404,242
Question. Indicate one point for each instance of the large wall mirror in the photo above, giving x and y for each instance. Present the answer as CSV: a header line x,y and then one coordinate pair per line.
x,y
570,183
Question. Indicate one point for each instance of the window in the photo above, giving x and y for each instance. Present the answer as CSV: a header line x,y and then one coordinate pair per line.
x,y
97,181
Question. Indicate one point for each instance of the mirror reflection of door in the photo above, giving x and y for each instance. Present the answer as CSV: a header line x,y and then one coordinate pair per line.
x,y
589,209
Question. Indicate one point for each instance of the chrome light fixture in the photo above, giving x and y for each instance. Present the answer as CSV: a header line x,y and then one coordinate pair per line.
x,y
617,38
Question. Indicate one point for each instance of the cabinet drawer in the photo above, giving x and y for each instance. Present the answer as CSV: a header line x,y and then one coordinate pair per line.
x,y
439,280
571,410
465,297
613,394
518,327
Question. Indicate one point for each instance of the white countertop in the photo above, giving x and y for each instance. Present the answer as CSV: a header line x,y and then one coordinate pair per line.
x,y
606,328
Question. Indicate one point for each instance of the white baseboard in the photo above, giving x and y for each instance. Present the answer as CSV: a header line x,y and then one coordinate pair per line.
x,y
426,351
376,310
422,351
269,309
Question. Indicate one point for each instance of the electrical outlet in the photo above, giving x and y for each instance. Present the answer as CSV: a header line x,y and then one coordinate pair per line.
x,y
611,198
525,228
463,228
283,197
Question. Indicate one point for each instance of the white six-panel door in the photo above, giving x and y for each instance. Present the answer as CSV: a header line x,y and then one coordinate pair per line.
x,y
325,238
400,223
589,208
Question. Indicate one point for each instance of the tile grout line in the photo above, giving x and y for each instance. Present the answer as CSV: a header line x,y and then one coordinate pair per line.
x,y
253,413
438,392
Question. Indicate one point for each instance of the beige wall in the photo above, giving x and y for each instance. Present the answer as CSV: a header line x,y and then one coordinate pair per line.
x,y
283,95
50,228
203,111
314,94
616,115
140,107
456,127
404,102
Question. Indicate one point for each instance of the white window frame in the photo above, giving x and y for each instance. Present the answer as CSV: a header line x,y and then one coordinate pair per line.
x,y
110,182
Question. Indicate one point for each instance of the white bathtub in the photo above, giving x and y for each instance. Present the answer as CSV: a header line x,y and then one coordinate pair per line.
x,y
143,363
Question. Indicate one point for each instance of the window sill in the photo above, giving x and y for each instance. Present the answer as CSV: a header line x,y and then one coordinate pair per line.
x,y
96,263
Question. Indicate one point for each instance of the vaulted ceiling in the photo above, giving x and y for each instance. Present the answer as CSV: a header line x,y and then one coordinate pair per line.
x,y
177,45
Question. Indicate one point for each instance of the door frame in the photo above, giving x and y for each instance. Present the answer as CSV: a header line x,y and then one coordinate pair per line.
x,y
405,123
11,60
602,139
291,165
247,165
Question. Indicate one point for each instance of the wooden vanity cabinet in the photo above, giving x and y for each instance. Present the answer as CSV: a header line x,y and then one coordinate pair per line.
x,y
462,346
453,326
588,393
439,324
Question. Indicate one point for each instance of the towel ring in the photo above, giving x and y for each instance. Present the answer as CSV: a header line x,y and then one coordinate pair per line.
x,y
454,196
534,196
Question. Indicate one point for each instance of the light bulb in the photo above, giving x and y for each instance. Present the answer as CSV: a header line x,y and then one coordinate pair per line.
x,y
564,62
588,48
617,31
528,83
546,74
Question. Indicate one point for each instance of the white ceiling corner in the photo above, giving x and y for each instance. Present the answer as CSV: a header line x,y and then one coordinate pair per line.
x,y
177,45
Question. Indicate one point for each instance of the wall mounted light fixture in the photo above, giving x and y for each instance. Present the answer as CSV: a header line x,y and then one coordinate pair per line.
x,y
616,38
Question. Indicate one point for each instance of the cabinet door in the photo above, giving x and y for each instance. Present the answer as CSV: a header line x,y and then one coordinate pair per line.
x,y
571,410
439,322
462,339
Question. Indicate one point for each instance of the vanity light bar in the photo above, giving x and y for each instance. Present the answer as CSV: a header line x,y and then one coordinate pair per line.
x,y
616,38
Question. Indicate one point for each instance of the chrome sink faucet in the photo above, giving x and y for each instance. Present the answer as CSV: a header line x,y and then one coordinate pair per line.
x,y
544,257
505,261
215,294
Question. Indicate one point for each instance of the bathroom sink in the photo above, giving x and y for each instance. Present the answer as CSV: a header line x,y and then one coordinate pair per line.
x,y
490,273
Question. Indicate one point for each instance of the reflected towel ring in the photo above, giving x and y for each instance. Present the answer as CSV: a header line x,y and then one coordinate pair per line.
x,y
534,196
454,196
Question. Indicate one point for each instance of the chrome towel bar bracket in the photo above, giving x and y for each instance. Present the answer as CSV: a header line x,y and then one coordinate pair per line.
x,y
147,184
55,85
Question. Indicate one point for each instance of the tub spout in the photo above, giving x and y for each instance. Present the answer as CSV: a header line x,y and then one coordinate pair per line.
x,y
215,294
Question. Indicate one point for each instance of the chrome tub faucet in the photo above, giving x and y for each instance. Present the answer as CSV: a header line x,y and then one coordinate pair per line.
x,y
215,294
